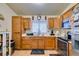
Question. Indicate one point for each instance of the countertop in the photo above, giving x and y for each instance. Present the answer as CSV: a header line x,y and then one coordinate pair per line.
x,y
40,36
69,41
31,36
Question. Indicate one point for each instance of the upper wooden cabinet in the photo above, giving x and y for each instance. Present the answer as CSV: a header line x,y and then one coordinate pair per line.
x,y
57,22
26,24
67,14
50,23
16,23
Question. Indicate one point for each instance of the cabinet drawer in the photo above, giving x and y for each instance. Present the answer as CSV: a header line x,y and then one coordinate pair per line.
x,y
26,42
26,46
25,38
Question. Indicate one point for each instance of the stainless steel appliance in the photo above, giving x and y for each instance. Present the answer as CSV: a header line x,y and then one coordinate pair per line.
x,y
62,46
75,28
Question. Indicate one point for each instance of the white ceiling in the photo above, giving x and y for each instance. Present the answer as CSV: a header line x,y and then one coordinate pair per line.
x,y
38,8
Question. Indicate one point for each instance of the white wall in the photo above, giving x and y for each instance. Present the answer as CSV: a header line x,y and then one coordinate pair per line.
x,y
7,12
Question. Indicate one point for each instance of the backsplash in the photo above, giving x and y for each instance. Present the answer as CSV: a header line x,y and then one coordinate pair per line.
x,y
61,32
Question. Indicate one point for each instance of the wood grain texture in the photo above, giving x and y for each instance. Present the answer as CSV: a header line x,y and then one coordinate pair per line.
x,y
50,23
39,42
16,31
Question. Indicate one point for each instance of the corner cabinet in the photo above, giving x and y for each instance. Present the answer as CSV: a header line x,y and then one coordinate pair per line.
x,y
16,30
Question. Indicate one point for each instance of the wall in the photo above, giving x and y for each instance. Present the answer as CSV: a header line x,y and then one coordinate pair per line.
x,y
6,24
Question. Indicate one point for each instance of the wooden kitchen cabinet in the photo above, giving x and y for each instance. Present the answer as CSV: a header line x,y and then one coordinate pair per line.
x,y
37,44
58,22
67,14
16,31
26,23
16,23
41,44
26,46
69,48
17,39
34,44
50,43
55,22
26,43
50,23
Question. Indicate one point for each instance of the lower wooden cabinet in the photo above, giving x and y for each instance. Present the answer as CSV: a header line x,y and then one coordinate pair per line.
x,y
50,43
26,46
17,39
39,43
26,43
34,44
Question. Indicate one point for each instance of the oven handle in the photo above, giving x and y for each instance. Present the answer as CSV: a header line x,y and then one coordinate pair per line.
x,y
62,40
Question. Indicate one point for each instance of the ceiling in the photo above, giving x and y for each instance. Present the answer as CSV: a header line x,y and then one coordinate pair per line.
x,y
38,8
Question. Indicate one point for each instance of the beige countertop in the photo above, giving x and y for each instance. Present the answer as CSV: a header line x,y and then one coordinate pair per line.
x,y
24,35
70,41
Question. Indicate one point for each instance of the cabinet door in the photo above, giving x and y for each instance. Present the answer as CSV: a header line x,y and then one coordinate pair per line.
x,y
16,31
26,23
50,23
17,39
41,44
16,23
26,43
26,46
58,22
67,14
34,43
50,43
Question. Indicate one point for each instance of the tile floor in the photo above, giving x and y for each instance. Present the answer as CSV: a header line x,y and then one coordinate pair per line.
x,y
47,52
75,53
28,53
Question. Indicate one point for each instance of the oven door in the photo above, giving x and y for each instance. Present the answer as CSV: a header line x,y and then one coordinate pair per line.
x,y
62,47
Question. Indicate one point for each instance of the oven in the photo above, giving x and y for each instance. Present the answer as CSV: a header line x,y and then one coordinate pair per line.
x,y
62,46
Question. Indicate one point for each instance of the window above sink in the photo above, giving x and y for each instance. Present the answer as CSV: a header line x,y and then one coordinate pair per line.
x,y
39,27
